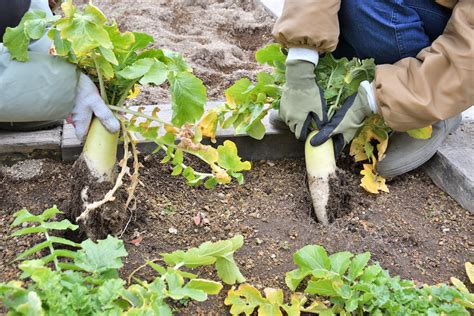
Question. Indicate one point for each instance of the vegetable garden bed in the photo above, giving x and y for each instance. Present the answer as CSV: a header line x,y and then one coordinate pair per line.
x,y
416,231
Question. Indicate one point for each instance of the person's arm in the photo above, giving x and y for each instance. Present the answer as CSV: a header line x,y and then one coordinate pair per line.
x,y
437,84
49,88
311,24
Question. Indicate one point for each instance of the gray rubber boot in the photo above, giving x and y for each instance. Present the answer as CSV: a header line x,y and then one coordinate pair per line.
x,y
276,120
405,153
29,126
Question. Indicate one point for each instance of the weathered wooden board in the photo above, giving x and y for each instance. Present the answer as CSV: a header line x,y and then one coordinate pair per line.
x,y
277,144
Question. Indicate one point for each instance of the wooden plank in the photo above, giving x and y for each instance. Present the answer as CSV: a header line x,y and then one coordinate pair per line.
x,y
40,143
277,144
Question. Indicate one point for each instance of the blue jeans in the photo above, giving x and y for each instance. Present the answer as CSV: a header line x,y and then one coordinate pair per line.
x,y
389,30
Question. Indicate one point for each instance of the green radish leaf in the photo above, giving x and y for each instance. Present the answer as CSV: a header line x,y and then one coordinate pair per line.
x,y
321,287
340,262
157,74
312,257
109,291
24,216
358,264
207,286
29,230
101,256
34,249
229,159
35,24
62,225
188,97
272,55
177,291
294,278
137,69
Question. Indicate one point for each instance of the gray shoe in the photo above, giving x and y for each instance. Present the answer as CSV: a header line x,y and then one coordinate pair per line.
x,y
405,153
276,121
29,126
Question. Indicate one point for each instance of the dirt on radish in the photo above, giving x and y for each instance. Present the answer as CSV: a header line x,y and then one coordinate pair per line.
x,y
107,219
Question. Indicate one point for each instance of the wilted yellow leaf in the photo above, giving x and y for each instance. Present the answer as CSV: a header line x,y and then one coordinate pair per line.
x,y
421,133
170,129
373,132
208,125
459,285
133,93
470,271
371,181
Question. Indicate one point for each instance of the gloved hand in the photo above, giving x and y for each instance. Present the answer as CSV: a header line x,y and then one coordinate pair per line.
x,y
302,101
88,102
344,124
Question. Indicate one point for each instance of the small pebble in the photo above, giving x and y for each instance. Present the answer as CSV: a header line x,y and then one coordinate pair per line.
x,y
172,230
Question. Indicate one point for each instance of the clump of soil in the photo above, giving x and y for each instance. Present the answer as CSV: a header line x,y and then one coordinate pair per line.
x,y
218,38
339,195
110,218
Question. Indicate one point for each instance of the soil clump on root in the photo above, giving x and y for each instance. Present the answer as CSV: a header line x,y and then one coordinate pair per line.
x,y
339,195
109,218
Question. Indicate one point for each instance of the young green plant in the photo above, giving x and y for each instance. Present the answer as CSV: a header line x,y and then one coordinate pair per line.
x,y
119,63
84,279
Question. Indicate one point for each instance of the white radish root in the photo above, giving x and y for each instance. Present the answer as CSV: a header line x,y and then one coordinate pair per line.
x,y
320,167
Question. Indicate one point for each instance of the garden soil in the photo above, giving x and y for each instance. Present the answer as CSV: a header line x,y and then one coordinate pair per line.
x,y
415,231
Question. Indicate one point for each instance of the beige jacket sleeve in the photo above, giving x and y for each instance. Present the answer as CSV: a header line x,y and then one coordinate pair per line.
x,y
309,23
437,84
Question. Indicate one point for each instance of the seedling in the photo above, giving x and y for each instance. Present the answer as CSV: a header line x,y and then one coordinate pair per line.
x,y
84,279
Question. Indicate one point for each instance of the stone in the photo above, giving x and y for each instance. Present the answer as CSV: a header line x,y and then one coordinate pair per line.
x,y
452,168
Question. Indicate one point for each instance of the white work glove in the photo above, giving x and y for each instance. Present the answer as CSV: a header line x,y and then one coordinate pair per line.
x,y
88,102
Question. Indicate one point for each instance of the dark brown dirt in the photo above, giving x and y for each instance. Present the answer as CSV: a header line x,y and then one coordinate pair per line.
x,y
339,195
107,219
416,231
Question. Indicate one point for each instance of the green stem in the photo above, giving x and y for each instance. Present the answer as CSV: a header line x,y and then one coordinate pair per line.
x,y
51,249
136,113
103,92
125,94
333,108
200,174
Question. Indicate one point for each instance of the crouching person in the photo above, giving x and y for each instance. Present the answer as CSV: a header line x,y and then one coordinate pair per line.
x,y
43,91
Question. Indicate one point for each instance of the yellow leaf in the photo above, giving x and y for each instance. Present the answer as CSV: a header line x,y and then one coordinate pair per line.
x,y
208,125
373,131
372,182
133,93
470,271
421,133
459,285
170,129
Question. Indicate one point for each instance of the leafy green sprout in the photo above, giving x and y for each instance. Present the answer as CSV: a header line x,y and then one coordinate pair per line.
x,y
86,281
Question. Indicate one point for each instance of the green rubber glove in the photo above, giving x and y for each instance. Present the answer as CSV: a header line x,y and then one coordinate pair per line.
x,y
302,101
348,119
